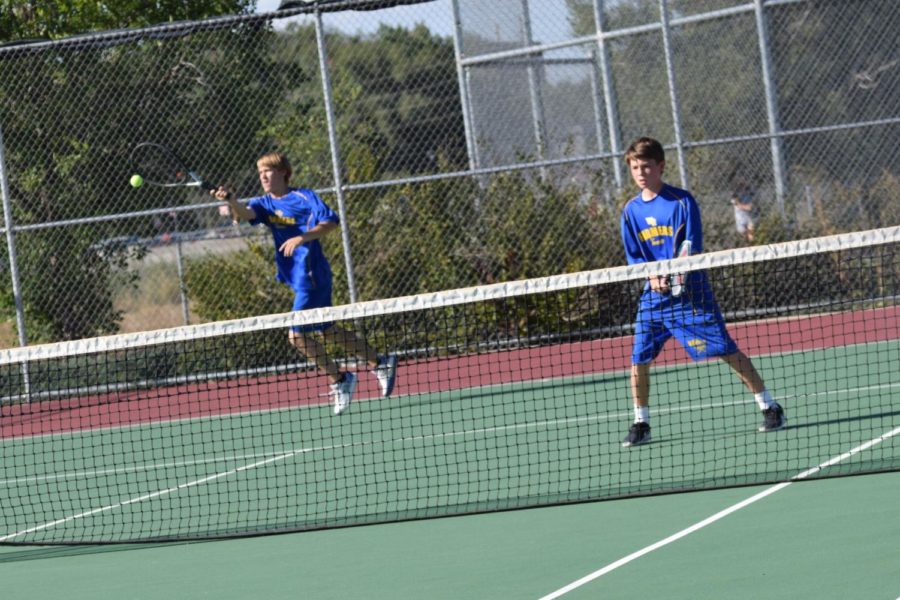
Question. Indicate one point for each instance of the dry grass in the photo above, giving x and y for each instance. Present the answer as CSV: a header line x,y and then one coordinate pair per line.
x,y
8,336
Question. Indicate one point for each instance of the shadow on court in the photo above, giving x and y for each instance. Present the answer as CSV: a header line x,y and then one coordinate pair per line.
x,y
9,554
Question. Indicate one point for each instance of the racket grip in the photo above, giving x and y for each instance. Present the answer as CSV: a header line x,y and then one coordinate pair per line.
x,y
677,285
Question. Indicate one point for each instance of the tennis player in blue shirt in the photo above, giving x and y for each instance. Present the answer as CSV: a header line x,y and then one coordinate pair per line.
x,y
298,218
660,223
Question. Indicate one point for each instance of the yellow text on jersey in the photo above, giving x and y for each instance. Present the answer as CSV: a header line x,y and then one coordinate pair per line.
x,y
657,231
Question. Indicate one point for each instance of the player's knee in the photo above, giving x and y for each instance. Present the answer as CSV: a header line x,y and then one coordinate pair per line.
x,y
297,339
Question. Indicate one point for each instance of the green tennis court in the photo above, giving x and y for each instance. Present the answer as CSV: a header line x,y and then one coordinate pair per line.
x,y
529,443
828,539
508,397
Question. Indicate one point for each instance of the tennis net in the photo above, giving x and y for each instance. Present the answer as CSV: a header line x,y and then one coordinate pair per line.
x,y
507,396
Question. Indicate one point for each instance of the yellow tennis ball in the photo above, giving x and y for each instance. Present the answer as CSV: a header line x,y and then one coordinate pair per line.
x,y
136,181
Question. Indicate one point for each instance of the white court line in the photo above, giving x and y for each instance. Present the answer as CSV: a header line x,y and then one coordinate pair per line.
x,y
716,517
433,436
297,451
497,429
152,495
289,454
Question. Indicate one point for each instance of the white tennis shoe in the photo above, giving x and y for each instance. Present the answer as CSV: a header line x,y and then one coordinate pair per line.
x,y
386,372
343,393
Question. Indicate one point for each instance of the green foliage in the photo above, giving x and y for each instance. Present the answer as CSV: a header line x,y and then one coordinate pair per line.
x,y
52,19
395,100
68,124
71,166
462,232
818,78
49,258
406,239
538,227
440,235
237,284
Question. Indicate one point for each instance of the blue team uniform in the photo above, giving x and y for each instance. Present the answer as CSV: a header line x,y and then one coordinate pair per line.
x,y
307,271
652,230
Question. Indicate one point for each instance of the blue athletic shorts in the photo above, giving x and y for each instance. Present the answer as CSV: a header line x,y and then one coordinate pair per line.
x,y
314,297
693,318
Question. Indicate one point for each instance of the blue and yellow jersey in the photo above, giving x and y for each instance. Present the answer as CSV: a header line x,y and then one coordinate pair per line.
x,y
289,216
654,229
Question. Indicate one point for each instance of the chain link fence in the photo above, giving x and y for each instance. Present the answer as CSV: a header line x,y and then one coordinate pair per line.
x,y
463,142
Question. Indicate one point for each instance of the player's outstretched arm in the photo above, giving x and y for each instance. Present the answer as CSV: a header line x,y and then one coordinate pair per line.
x,y
238,211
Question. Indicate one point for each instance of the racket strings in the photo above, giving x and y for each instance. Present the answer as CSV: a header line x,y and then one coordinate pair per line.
x,y
156,165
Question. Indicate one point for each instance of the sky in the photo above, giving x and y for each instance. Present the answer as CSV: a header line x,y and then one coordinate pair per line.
x,y
436,15
497,21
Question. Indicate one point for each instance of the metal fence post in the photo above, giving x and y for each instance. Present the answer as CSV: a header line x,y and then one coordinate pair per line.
x,y
11,245
535,76
775,140
612,114
673,91
462,77
336,165
596,99
491,61
13,264
182,286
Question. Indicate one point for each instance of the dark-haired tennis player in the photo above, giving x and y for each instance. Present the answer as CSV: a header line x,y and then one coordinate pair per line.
x,y
656,222
298,218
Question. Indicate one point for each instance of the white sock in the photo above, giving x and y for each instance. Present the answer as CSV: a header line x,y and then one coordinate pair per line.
x,y
642,414
764,399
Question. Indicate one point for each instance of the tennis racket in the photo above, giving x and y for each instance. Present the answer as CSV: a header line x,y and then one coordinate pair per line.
x,y
678,279
160,166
